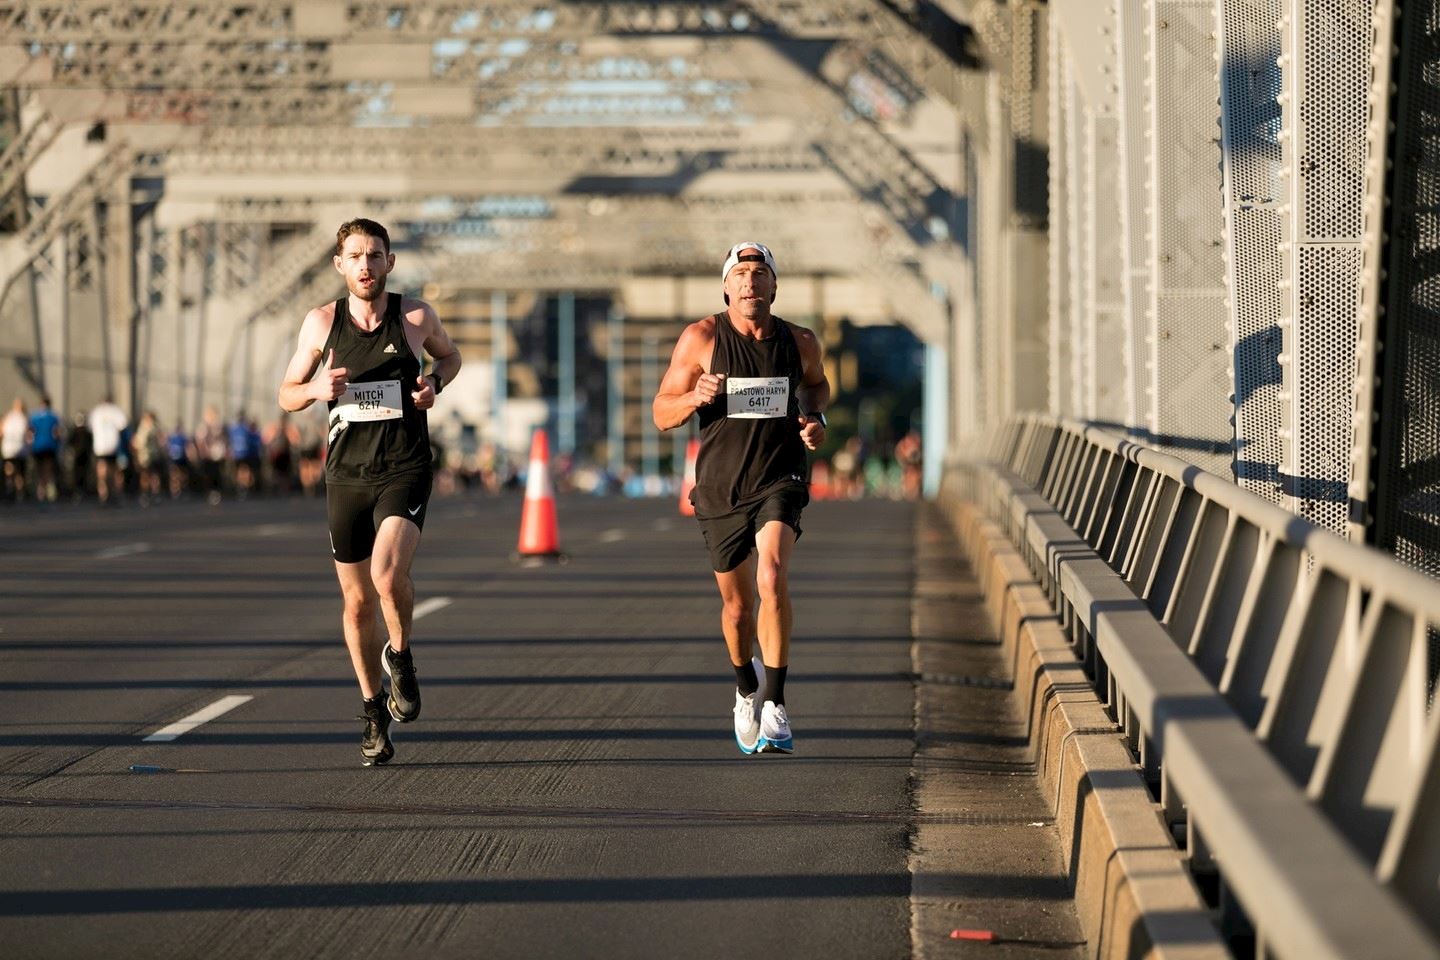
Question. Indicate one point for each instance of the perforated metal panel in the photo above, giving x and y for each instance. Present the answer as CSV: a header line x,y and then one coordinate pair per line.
x,y
1328,43
1077,181
1134,59
1325,332
1250,78
1107,269
1372,275
1192,353
1407,504
1059,273
1336,60
1093,228
1190,368
995,335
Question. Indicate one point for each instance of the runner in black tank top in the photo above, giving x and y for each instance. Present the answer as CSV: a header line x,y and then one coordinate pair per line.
x,y
758,384
363,451
361,355
747,457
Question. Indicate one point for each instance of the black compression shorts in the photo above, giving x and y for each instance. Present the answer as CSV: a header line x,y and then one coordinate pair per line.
x,y
357,510
730,537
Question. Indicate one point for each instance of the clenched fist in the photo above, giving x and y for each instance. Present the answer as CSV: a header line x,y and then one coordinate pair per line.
x,y
425,396
812,432
710,386
329,381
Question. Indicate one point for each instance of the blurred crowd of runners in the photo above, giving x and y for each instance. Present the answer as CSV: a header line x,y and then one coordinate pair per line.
x,y
100,455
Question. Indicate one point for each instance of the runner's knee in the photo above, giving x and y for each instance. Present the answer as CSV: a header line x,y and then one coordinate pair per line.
x,y
390,583
770,580
359,603
735,613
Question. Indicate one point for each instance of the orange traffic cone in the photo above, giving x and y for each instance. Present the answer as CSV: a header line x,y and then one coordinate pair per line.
x,y
692,451
539,529
820,481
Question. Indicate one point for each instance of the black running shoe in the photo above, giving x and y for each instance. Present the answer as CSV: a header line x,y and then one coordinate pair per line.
x,y
404,688
375,747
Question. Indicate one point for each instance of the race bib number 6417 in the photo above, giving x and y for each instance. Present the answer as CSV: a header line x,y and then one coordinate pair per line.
x,y
756,398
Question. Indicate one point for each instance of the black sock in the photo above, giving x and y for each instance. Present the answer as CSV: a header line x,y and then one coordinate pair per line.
x,y
746,680
775,684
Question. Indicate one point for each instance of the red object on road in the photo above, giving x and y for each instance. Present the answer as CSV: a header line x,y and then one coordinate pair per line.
x,y
984,936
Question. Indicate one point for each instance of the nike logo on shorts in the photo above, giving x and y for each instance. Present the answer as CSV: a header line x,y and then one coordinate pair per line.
x,y
415,510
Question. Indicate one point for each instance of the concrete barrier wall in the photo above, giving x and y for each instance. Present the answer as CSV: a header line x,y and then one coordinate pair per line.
x,y
1132,891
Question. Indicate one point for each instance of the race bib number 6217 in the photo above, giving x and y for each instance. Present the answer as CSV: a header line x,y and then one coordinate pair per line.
x,y
372,400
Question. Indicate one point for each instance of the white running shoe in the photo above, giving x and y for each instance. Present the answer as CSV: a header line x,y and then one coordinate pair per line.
x,y
747,723
775,736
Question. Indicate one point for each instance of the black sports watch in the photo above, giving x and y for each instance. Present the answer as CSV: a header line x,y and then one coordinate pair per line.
x,y
818,415
438,383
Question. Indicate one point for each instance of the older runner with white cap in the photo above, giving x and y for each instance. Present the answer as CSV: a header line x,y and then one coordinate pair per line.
x,y
758,384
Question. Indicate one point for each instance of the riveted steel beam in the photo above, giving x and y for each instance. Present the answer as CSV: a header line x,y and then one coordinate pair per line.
x,y
77,21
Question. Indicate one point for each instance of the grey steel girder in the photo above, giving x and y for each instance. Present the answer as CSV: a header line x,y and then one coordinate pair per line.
x,y
380,104
211,45
80,21
306,64
33,140
19,250
488,160
637,234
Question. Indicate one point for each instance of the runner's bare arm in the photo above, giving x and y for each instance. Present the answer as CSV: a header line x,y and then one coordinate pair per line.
x,y
436,342
686,386
814,390
440,347
813,394
302,386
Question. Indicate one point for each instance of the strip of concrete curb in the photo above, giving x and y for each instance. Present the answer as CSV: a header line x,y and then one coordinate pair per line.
x,y
1132,892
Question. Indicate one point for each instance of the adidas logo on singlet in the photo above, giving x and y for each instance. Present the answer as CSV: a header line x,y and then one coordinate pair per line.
x,y
389,348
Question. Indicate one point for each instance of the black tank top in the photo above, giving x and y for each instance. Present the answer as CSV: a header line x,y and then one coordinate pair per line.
x,y
367,441
747,449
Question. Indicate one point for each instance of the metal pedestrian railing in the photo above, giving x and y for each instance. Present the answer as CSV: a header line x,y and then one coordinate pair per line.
x,y
1271,677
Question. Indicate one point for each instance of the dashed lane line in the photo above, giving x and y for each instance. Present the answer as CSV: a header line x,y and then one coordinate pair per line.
x,y
226,704
123,550
429,606
219,707
274,529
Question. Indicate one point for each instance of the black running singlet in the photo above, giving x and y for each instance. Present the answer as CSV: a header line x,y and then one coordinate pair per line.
x,y
375,432
750,434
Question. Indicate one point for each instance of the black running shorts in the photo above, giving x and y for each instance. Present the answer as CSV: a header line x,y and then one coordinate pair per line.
x,y
730,537
357,510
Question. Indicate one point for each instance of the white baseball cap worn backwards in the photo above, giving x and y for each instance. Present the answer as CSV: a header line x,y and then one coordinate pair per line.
x,y
733,257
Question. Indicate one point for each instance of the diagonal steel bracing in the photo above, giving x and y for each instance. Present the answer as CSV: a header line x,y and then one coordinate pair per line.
x,y
78,21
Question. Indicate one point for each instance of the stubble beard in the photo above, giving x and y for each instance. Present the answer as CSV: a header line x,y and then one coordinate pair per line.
x,y
371,295
753,310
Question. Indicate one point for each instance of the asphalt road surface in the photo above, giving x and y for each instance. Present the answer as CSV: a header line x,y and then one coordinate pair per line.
x,y
572,789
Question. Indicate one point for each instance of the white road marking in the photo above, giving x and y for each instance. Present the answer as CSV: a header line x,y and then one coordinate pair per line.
x,y
273,529
610,536
429,606
124,550
222,706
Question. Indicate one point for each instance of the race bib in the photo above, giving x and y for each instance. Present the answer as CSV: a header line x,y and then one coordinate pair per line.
x,y
375,400
756,398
